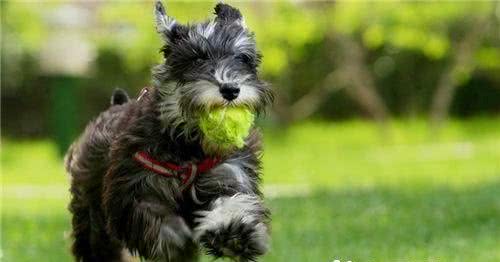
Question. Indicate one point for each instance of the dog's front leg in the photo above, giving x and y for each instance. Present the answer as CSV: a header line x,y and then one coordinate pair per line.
x,y
234,226
148,223
235,222
162,236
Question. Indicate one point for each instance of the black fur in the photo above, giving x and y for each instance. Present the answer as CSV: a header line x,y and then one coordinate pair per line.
x,y
227,13
119,97
119,207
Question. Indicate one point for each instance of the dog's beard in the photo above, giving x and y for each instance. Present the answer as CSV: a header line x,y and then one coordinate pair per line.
x,y
180,107
173,120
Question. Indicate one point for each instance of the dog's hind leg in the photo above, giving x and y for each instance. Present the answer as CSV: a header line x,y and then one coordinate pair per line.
x,y
148,223
90,240
103,246
81,230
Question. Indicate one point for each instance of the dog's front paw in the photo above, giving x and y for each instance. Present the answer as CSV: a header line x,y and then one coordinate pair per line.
x,y
245,241
235,227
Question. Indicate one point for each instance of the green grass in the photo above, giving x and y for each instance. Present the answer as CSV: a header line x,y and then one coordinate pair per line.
x,y
388,225
410,198
353,155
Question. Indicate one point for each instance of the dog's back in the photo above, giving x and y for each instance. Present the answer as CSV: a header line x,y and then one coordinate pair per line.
x,y
90,152
87,161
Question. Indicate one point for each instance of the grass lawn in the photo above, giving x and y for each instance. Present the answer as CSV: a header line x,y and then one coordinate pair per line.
x,y
408,198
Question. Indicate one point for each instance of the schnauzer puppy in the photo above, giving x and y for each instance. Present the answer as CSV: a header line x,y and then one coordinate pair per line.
x,y
144,182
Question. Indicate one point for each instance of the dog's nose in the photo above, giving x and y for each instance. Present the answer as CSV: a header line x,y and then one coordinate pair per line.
x,y
229,91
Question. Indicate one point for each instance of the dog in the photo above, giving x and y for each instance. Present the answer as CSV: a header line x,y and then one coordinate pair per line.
x,y
142,181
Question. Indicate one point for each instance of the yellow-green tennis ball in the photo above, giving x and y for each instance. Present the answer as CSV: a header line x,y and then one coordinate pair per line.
x,y
226,127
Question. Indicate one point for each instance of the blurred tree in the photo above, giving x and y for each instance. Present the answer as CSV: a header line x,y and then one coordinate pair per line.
x,y
462,63
21,39
452,32
373,58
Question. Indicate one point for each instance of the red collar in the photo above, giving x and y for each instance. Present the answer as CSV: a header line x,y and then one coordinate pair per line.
x,y
186,173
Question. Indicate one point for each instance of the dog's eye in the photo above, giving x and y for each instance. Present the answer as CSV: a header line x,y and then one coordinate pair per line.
x,y
244,58
201,58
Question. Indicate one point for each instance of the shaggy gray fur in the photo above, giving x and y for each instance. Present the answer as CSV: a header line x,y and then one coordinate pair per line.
x,y
119,207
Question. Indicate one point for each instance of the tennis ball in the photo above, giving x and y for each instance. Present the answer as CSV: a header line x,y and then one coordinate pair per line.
x,y
226,127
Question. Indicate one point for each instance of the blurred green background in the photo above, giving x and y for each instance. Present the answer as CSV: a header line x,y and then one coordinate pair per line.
x,y
383,143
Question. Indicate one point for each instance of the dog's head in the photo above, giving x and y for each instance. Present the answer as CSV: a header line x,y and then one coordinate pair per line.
x,y
209,64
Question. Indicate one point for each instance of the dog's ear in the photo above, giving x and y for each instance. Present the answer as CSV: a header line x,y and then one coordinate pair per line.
x,y
228,14
164,23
